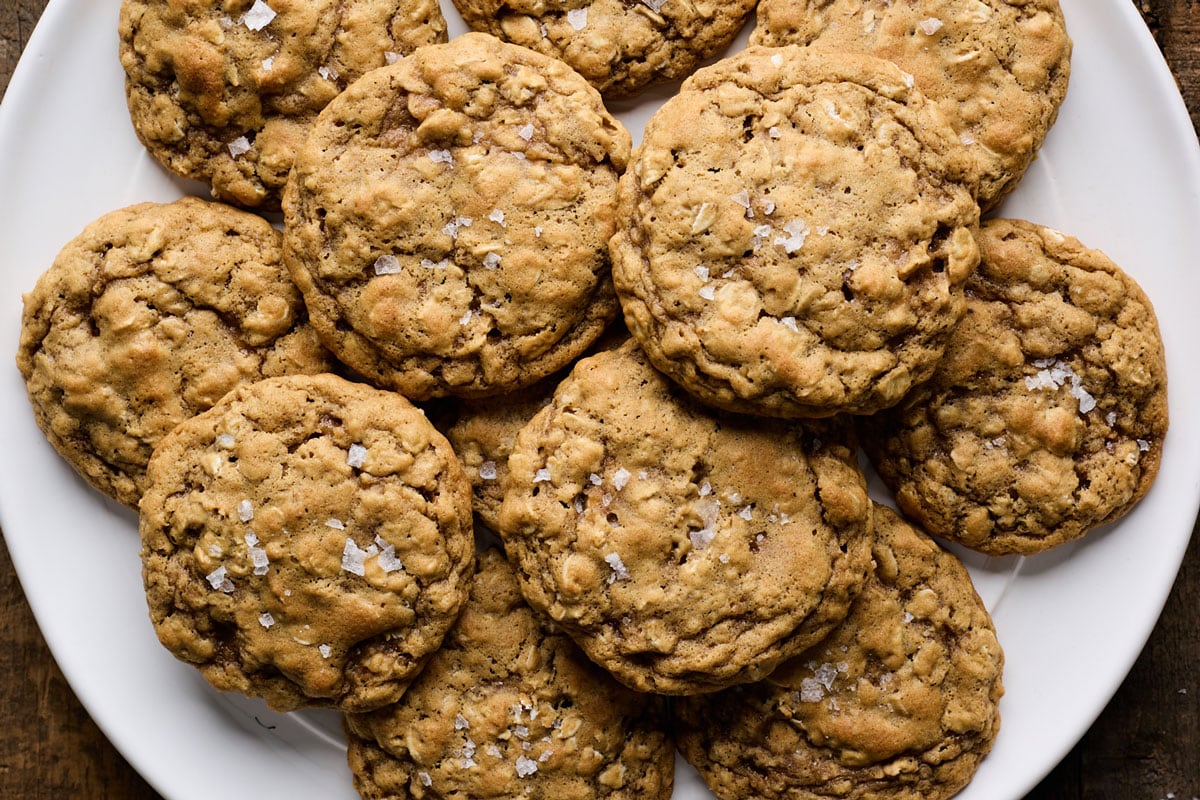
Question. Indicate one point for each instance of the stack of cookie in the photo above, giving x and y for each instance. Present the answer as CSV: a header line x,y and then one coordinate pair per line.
x,y
648,372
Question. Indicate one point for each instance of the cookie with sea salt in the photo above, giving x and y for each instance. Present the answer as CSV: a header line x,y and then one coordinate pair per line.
x,y
447,220
901,701
684,550
794,234
619,47
307,540
509,707
997,69
225,92
1048,414
149,316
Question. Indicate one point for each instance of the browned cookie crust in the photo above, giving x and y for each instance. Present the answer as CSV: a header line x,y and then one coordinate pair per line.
x,y
683,550
1047,416
509,707
225,92
997,69
795,232
899,703
149,316
619,47
447,221
307,540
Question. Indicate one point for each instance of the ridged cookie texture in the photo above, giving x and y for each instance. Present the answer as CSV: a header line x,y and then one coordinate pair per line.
x,y
307,540
899,703
509,707
795,230
447,220
997,69
1048,415
620,48
684,550
225,92
148,317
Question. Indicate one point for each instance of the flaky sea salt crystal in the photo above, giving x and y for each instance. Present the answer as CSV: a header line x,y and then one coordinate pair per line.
x,y
259,16
356,456
526,766
429,263
491,260
487,470
826,674
797,232
619,571
620,478
219,580
702,273
774,132
245,510
265,619
328,73
239,146
424,778
542,475
325,650
460,723
225,440
387,559
811,690
577,18
391,57
742,198
930,26
594,479
335,523
455,225
653,5
707,292
526,131
387,265
537,231
497,216
441,156
747,513
789,323
268,63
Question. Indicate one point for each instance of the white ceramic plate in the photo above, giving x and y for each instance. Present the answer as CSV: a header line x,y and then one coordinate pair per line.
x,y
1121,171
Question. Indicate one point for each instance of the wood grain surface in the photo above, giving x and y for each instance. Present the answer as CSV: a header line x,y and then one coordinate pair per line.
x,y
1145,745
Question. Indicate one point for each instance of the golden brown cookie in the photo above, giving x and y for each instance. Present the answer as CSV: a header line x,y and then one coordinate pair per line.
x,y
225,92
683,550
307,540
997,69
1047,416
619,47
149,316
447,220
795,232
509,707
901,701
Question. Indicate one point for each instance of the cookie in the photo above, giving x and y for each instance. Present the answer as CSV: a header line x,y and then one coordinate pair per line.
x,y
901,701
683,550
225,92
1047,416
149,316
794,234
307,540
620,48
509,707
997,69
447,220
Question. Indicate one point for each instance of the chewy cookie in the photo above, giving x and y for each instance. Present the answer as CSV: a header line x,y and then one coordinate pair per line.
x,y
307,540
795,232
225,92
997,69
149,316
619,47
901,701
1047,416
447,220
684,551
509,708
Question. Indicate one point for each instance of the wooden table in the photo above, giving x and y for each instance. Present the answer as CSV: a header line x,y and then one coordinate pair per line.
x,y
1145,746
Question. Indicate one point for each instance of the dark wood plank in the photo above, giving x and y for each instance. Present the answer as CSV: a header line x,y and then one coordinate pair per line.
x,y
1145,746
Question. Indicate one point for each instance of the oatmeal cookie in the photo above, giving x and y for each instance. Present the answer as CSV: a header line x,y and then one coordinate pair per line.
x,y
683,550
509,707
149,316
307,540
1048,414
795,230
619,47
997,69
899,703
225,92
447,220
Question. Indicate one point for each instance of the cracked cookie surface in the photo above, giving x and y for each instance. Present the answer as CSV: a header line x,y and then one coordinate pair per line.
x,y
900,701
683,550
795,230
225,92
447,220
149,316
509,707
307,540
1047,416
997,69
